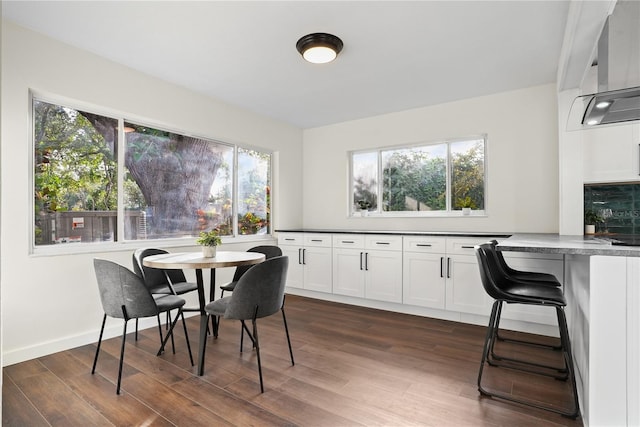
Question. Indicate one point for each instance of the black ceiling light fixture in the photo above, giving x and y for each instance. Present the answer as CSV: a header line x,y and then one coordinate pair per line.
x,y
319,48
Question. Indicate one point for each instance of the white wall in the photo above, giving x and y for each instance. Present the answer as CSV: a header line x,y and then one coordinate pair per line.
x,y
522,158
50,303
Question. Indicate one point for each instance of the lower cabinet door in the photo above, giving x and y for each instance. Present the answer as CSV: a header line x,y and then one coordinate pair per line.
x,y
348,272
423,281
317,269
383,276
294,272
465,292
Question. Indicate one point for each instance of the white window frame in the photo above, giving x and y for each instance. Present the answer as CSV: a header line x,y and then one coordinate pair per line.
x,y
448,212
121,244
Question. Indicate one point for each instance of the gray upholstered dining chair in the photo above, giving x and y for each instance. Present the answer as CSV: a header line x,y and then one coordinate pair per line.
x,y
124,296
269,251
160,282
259,293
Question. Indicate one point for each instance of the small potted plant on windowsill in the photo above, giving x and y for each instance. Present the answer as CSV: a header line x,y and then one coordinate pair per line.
x,y
591,218
466,204
209,241
364,206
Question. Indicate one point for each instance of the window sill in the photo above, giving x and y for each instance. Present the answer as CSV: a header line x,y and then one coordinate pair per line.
x,y
103,247
456,214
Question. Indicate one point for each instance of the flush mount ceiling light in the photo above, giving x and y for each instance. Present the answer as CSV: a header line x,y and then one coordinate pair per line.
x,y
319,48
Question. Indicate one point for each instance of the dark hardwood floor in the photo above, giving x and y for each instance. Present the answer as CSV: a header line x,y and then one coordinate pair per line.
x,y
354,366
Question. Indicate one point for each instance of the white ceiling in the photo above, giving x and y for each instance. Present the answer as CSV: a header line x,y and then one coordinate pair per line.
x,y
397,55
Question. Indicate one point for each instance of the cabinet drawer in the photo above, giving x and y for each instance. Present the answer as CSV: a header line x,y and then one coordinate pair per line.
x,y
290,239
317,239
424,244
464,245
385,243
348,241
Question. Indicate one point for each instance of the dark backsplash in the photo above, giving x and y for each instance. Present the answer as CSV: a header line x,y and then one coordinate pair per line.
x,y
624,202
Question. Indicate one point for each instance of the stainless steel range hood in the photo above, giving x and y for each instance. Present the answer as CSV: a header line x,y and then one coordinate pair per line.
x,y
618,68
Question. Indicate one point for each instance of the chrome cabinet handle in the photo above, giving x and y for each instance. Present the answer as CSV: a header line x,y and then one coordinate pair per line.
x,y
467,247
366,261
423,245
304,256
448,268
441,266
361,253
299,255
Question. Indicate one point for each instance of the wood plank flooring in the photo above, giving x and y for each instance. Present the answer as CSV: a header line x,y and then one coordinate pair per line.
x,y
354,367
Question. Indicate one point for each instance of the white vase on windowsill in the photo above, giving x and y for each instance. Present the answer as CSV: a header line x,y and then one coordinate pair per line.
x,y
364,212
209,251
466,211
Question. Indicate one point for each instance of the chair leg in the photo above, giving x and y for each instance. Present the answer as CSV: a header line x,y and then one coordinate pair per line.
x,y
159,327
515,340
564,337
242,331
568,353
494,359
124,340
487,343
173,343
169,334
95,359
286,329
257,345
204,326
186,336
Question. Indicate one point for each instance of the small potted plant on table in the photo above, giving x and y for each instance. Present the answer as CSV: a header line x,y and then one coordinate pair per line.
x,y
209,241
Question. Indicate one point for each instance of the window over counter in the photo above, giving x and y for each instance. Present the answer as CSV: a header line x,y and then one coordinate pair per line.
x,y
431,179
103,178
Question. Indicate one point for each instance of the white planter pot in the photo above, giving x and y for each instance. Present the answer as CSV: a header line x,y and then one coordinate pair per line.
x,y
590,229
466,211
364,212
209,251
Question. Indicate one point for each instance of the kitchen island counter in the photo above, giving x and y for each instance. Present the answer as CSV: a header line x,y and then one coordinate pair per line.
x,y
574,245
602,288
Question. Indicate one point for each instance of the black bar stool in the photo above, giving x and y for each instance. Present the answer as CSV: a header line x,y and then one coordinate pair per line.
x,y
542,279
504,289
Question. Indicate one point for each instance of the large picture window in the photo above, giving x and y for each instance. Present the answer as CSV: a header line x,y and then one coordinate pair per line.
x,y
166,185
440,178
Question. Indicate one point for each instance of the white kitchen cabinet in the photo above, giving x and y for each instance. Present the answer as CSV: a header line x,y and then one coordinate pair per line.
x,y
442,272
423,275
309,260
610,154
348,265
465,292
368,266
431,272
383,268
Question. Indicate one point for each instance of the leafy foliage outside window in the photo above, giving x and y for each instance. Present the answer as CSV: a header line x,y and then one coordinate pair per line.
x,y
467,174
414,179
441,177
174,185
